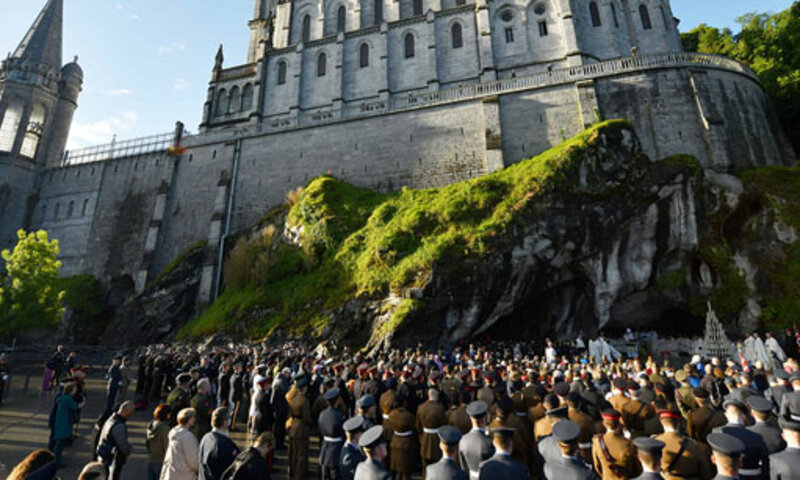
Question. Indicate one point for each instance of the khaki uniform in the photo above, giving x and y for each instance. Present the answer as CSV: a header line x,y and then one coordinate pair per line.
x,y
586,424
634,415
701,421
451,387
298,429
404,445
619,401
684,397
623,463
457,417
542,428
692,464
203,406
430,416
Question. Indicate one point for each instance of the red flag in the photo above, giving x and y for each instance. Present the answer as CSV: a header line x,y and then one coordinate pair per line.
x,y
745,366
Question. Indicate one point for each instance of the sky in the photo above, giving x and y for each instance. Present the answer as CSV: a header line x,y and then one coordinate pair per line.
x,y
147,63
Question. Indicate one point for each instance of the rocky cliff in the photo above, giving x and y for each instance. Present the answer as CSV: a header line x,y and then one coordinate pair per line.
x,y
591,235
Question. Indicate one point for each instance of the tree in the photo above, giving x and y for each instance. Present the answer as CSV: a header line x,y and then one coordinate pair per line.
x,y
29,293
770,45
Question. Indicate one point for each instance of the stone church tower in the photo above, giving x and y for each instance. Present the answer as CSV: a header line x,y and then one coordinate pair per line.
x,y
38,98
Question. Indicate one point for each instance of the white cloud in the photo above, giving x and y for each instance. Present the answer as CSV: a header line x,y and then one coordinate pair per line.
x,y
100,131
174,47
123,7
179,84
122,92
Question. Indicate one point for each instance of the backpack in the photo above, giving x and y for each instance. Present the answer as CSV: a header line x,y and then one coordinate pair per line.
x,y
236,470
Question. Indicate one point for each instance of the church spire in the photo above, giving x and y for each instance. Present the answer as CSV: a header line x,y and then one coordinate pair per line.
x,y
42,43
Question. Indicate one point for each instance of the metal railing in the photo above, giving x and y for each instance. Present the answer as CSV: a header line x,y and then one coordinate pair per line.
x,y
115,149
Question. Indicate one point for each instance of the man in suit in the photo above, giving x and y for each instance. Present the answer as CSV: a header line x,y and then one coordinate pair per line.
x,y
761,409
330,424
447,468
786,464
570,465
780,387
476,446
755,463
790,402
648,450
727,455
374,446
351,454
502,465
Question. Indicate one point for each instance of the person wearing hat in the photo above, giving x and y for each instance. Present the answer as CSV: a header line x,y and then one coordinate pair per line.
x,y
457,414
224,384
366,409
618,399
524,451
451,385
547,447
374,446
430,416
544,426
703,419
298,427
488,393
502,465
614,457
785,465
330,424
755,463
584,423
681,457
684,394
636,413
476,447
790,402
778,387
203,406
351,455
568,465
180,397
761,409
114,383
238,386
727,455
404,443
280,408
649,452
447,468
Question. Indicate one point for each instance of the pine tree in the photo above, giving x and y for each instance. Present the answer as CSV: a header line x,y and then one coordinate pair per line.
x,y
716,342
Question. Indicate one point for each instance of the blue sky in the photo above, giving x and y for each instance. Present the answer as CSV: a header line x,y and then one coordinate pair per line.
x,y
147,63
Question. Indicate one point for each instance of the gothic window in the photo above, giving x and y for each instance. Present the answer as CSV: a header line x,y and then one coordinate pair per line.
x,y
85,207
417,7
543,29
222,102
341,15
377,12
645,15
57,212
409,44
322,61
457,35
509,35
235,101
614,15
595,14
306,28
34,132
70,209
247,97
281,72
363,55
8,128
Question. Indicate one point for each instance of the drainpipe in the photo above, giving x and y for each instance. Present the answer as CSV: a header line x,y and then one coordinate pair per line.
x,y
237,153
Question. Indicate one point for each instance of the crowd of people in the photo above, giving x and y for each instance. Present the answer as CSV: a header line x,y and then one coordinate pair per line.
x,y
493,410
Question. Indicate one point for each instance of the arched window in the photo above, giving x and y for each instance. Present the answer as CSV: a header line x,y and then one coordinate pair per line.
x,y
363,55
235,101
9,126
377,12
306,28
341,17
222,102
281,72
457,35
417,7
614,15
409,44
57,212
85,207
595,14
322,62
247,97
70,209
34,131
645,15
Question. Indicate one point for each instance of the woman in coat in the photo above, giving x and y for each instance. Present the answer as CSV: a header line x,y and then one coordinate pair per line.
x,y
66,413
157,441
182,459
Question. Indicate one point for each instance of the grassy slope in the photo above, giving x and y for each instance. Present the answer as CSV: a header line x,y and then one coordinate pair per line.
x,y
357,242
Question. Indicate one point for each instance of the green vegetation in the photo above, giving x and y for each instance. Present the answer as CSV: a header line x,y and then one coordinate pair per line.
x,y
729,296
680,163
83,294
30,296
769,44
358,243
176,262
672,279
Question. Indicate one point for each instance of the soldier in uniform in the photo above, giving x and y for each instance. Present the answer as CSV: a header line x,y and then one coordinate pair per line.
x,y
786,464
405,439
457,415
476,446
366,408
790,402
570,465
761,409
237,394
430,416
682,457
727,455
584,422
614,458
684,394
648,450
331,422
179,398
618,399
203,407
523,439
224,385
374,446
544,426
755,463
502,465
447,468
635,413
451,386
704,419
781,386
351,454
114,382
298,427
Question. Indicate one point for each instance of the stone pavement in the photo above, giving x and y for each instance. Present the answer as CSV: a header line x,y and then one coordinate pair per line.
x,y
23,429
